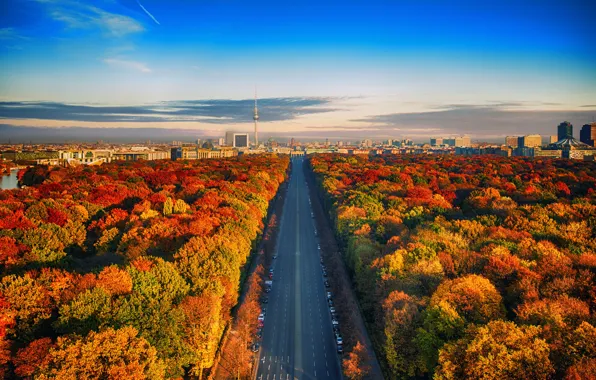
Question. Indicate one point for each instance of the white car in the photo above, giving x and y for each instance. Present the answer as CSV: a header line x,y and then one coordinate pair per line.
x,y
332,310
339,340
329,295
261,317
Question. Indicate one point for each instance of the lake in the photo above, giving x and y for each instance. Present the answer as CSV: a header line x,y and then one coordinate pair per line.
x,y
10,181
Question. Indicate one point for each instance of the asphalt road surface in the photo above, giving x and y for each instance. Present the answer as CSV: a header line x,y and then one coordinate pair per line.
x,y
298,340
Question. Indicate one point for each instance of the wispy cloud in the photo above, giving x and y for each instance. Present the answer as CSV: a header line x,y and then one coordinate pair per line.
x,y
131,65
76,15
11,34
148,13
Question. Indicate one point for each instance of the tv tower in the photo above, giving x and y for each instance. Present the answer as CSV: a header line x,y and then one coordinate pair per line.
x,y
256,119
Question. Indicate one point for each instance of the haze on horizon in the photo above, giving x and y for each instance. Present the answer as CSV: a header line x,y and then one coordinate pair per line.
x,y
342,70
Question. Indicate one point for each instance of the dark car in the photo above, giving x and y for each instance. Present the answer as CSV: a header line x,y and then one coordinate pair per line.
x,y
255,347
324,273
340,349
265,299
327,284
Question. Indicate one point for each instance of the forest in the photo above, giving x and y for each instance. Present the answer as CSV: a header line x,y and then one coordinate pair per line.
x,y
470,267
129,269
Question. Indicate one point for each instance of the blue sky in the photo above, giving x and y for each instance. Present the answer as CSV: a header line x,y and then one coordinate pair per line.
x,y
351,66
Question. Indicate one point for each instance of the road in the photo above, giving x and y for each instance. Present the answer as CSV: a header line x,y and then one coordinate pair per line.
x,y
298,340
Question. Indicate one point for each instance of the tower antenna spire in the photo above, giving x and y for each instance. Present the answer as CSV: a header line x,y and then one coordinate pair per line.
x,y
256,120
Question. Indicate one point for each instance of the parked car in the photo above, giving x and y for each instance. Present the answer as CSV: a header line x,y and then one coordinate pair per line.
x,y
327,284
340,349
330,302
261,317
331,309
339,340
324,273
255,347
328,295
265,299
275,256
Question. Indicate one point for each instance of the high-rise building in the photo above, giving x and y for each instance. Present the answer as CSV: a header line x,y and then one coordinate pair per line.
x,y
463,141
531,141
436,141
511,141
237,140
564,130
199,142
587,135
449,141
367,143
553,139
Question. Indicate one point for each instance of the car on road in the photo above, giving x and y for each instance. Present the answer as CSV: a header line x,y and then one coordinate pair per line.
x,y
336,329
268,289
335,323
265,299
331,309
275,256
255,347
329,295
261,317
339,340
327,284
312,215
340,349
324,273
319,246
330,302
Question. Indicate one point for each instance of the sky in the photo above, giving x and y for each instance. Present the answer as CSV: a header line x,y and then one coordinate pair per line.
x,y
322,68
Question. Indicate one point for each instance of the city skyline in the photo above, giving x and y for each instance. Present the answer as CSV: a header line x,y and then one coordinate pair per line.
x,y
344,72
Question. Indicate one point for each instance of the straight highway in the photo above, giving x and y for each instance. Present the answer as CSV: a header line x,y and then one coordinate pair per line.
x,y
298,339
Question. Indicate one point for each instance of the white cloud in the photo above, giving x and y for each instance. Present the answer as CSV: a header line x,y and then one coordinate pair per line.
x,y
11,34
131,65
81,16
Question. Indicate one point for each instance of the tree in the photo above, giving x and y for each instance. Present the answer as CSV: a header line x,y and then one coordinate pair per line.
x,y
356,366
473,297
168,207
499,350
109,354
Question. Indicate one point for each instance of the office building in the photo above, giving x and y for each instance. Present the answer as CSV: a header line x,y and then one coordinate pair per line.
x,y
436,141
511,141
531,141
553,139
587,135
463,141
237,140
564,131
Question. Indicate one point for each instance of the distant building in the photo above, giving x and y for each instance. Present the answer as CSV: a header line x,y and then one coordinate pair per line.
x,y
587,135
571,148
436,141
564,131
135,155
194,153
463,141
553,139
367,143
531,141
86,156
237,140
449,141
511,141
